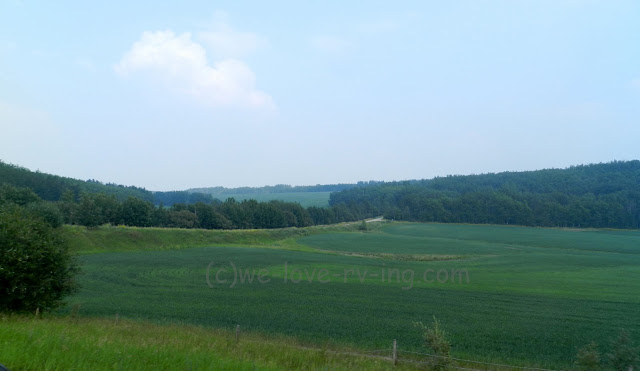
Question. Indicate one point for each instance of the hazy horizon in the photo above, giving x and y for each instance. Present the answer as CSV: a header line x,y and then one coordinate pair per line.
x,y
193,95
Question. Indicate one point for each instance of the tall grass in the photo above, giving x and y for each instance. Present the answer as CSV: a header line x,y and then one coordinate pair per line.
x,y
108,344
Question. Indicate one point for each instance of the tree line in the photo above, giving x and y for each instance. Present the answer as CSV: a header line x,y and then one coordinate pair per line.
x,y
95,209
597,195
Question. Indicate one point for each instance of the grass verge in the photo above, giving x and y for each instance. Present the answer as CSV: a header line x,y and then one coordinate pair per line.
x,y
56,343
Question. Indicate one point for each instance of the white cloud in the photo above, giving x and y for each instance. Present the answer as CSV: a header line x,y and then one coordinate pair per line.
x,y
182,64
329,44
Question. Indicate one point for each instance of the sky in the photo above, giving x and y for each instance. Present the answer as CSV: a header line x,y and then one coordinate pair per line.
x,y
176,95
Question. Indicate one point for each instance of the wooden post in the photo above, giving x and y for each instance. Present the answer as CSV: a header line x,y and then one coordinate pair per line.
x,y
37,312
237,333
117,317
395,352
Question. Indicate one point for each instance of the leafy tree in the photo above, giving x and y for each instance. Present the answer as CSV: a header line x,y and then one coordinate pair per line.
x,y
16,195
108,206
136,212
182,219
68,206
88,213
36,270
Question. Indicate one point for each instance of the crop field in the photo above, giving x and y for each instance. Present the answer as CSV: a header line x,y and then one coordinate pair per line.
x,y
306,199
526,296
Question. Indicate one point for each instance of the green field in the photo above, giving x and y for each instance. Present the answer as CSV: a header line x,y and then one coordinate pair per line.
x,y
306,199
533,295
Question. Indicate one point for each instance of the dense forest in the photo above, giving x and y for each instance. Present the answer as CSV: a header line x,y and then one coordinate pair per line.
x,y
51,187
597,195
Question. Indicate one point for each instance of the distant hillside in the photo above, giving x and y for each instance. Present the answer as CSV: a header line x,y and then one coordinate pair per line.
x,y
51,187
596,195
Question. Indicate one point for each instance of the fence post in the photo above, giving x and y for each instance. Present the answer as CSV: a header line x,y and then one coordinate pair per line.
x,y
237,333
395,352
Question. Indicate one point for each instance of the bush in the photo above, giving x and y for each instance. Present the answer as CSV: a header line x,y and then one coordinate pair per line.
x,y
362,226
436,340
588,358
37,270
624,355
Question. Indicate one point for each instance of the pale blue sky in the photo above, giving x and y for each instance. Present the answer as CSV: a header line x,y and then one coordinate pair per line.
x,y
205,93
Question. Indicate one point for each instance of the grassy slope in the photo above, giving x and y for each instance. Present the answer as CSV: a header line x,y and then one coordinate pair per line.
x,y
120,238
104,344
113,239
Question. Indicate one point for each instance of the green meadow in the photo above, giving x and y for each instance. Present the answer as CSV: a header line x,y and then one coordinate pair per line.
x,y
524,296
306,199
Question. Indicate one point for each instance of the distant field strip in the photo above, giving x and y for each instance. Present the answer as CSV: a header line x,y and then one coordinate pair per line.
x,y
306,199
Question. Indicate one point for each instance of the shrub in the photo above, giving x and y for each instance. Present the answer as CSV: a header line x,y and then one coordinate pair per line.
x,y
623,355
36,270
436,340
588,358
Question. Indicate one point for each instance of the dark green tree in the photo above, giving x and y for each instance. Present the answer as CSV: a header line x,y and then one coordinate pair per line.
x,y
37,269
136,212
88,213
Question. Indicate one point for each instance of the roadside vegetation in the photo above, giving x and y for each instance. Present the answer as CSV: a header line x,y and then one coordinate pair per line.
x,y
53,343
